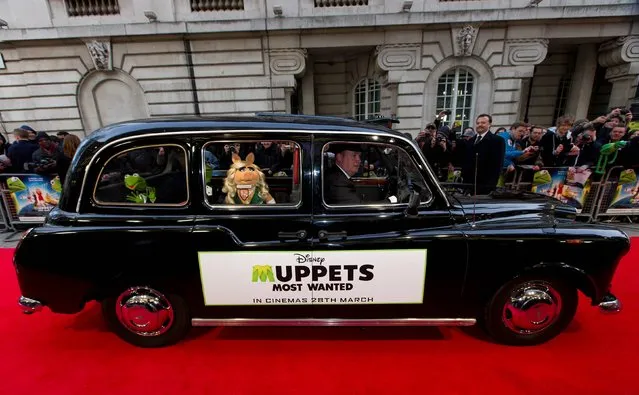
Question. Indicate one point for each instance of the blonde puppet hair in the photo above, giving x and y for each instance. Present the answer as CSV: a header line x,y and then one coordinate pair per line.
x,y
230,187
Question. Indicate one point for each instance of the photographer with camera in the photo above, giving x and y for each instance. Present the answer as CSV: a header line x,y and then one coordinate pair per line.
x,y
531,148
437,151
45,158
557,149
586,139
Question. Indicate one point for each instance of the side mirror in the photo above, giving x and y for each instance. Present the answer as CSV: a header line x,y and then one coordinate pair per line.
x,y
413,204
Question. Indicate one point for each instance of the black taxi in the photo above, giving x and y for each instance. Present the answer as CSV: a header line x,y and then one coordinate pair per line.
x,y
301,220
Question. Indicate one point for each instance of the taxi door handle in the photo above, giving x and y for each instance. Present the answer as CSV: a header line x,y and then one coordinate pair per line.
x,y
300,235
322,234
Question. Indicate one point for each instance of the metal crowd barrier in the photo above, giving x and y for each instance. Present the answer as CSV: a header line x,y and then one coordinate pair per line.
x,y
618,197
600,197
27,198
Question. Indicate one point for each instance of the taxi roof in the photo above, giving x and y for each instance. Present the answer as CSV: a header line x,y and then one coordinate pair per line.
x,y
261,121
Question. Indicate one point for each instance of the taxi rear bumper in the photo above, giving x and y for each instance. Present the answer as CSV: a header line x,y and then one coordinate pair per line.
x,y
29,306
610,304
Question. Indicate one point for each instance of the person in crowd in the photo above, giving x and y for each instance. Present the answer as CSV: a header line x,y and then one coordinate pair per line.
x,y
286,152
46,156
4,145
438,152
70,145
33,139
425,135
226,156
513,150
484,157
458,148
606,123
267,157
20,153
557,147
5,162
586,140
616,134
211,159
629,156
530,145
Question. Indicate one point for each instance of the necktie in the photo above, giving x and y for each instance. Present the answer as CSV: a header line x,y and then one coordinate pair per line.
x,y
478,139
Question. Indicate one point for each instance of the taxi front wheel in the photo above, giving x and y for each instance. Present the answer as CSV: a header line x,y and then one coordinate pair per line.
x,y
145,317
530,310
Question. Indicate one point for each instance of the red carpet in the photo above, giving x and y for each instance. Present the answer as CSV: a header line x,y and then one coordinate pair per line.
x,y
47,354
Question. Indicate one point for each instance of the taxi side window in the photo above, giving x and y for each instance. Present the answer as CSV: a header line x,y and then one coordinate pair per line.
x,y
365,174
244,173
151,175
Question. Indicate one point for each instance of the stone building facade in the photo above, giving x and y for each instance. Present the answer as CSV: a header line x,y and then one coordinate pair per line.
x,y
77,65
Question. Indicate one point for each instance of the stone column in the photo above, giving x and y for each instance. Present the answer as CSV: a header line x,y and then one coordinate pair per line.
x,y
308,89
518,63
401,64
621,58
285,65
583,79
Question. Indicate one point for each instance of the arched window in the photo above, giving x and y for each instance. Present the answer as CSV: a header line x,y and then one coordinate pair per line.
x,y
367,99
455,92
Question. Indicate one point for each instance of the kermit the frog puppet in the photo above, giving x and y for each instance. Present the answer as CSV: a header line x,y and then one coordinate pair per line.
x,y
14,184
245,183
140,192
56,185
542,177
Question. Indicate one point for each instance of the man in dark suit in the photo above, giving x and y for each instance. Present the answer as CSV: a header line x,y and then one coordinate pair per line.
x,y
338,186
484,157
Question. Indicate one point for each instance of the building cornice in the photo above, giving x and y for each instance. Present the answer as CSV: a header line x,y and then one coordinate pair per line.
x,y
442,18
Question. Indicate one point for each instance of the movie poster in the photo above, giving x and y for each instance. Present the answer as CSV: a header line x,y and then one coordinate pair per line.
x,y
627,194
569,185
33,195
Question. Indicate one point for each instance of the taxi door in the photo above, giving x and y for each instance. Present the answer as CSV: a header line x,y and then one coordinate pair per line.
x,y
380,262
247,252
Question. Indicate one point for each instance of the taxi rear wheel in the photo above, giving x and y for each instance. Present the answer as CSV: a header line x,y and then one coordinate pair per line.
x,y
145,317
530,310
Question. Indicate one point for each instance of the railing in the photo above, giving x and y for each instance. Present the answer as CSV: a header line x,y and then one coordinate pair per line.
x,y
217,5
614,194
339,3
92,7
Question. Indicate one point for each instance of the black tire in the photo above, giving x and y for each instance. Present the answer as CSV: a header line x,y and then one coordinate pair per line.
x,y
495,315
178,329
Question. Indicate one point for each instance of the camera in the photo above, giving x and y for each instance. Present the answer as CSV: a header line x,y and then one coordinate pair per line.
x,y
44,162
439,138
584,138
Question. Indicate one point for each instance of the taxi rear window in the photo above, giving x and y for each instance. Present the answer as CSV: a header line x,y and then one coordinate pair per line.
x,y
243,173
150,175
